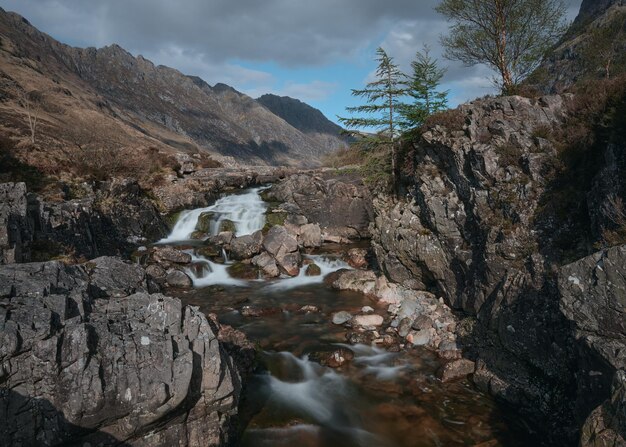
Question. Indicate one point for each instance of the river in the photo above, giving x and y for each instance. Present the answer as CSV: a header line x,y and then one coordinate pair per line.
x,y
379,399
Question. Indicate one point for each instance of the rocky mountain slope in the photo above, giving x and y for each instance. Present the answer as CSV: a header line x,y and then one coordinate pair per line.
x,y
593,48
304,118
146,104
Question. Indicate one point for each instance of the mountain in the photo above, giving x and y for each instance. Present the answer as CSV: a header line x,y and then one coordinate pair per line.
x,y
140,103
593,48
303,117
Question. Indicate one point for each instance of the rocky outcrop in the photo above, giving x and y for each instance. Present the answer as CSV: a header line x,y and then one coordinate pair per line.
x,y
606,426
88,356
487,220
342,207
15,226
111,219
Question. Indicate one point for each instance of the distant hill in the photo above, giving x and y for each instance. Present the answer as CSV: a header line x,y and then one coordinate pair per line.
x,y
594,47
140,103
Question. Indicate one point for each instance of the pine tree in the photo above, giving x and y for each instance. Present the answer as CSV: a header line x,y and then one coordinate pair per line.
x,y
382,109
423,87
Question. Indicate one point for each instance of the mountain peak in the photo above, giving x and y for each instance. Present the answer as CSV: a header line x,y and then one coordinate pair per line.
x,y
299,114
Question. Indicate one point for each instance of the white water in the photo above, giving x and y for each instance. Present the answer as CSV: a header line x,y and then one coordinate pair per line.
x,y
246,211
326,264
212,273
319,394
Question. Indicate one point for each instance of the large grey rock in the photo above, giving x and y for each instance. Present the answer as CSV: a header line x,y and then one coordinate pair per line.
x,y
340,207
279,243
86,358
169,254
266,263
310,236
245,247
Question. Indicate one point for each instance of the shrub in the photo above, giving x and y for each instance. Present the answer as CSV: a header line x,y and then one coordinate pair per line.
x,y
453,120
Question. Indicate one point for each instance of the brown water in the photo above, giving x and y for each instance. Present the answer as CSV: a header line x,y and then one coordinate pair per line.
x,y
380,399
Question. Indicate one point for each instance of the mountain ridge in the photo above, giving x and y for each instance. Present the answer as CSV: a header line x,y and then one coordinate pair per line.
x,y
159,102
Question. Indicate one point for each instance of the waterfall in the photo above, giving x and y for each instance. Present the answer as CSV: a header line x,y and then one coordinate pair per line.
x,y
246,211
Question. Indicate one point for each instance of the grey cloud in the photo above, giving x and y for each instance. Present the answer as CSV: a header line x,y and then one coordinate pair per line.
x,y
207,37
289,32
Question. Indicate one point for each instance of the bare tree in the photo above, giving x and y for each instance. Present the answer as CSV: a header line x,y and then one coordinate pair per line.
x,y
612,35
31,102
510,36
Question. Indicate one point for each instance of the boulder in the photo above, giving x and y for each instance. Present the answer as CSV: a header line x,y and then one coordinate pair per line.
x,y
204,222
128,368
357,258
111,277
178,279
310,236
456,369
267,264
283,247
242,270
156,272
289,263
169,254
246,247
278,241
363,281
313,270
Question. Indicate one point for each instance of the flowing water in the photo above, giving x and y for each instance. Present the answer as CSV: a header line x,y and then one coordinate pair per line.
x,y
379,399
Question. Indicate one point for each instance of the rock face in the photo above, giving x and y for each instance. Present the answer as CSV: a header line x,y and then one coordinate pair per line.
x,y
593,297
88,356
342,208
112,219
484,225
15,228
605,426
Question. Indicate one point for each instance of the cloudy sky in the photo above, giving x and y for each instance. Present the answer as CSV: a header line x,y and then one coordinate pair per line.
x,y
313,50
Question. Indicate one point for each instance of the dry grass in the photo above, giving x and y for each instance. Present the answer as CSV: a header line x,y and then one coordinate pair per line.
x,y
453,120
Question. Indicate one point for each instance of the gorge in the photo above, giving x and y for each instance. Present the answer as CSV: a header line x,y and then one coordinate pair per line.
x,y
229,291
